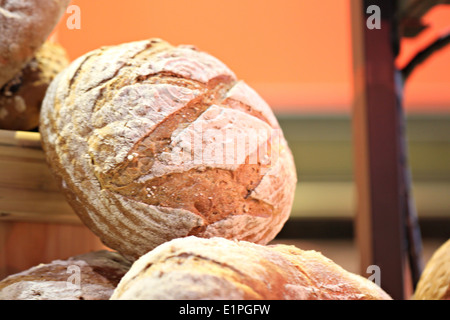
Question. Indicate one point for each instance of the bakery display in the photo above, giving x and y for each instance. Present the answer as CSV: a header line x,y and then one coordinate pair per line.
x,y
434,283
151,142
90,276
21,97
25,26
172,160
195,268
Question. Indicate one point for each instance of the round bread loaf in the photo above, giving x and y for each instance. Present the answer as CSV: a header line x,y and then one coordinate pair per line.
x,y
90,276
208,269
21,98
434,283
24,27
152,142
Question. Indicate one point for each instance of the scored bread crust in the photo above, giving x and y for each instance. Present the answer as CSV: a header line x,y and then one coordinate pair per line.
x,y
25,26
21,98
89,276
118,126
219,269
434,282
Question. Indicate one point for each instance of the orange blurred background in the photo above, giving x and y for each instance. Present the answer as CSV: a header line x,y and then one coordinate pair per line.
x,y
296,54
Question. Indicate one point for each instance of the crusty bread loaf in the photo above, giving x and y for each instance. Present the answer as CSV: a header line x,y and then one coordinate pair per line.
x,y
24,27
208,269
21,98
136,133
90,276
434,283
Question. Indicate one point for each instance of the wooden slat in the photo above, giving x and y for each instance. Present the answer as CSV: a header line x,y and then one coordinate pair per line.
x,y
20,138
36,223
25,244
27,173
33,205
28,191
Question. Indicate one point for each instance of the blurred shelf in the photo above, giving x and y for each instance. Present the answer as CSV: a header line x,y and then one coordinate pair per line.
x,y
337,199
323,150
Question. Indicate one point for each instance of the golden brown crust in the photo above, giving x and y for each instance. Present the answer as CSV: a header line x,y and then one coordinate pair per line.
x,y
21,98
91,276
434,283
216,268
25,26
119,129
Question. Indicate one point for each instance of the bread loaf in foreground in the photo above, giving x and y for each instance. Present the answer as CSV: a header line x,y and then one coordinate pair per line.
x,y
90,276
195,269
25,26
152,142
434,283
21,98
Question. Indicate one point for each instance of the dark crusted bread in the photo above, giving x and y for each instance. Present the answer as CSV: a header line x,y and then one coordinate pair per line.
x,y
196,269
91,276
24,27
21,98
434,283
152,142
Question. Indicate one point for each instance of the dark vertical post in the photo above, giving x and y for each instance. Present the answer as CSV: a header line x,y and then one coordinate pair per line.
x,y
378,149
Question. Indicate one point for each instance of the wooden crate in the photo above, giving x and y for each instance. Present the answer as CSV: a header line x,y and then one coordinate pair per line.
x,y
36,223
